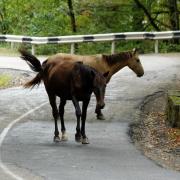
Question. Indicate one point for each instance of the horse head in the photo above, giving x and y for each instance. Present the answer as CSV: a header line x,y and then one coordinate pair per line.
x,y
134,63
99,86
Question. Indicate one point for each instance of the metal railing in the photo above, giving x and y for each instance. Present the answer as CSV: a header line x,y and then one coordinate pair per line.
x,y
112,37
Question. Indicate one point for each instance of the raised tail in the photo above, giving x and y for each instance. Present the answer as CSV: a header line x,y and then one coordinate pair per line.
x,y
35,65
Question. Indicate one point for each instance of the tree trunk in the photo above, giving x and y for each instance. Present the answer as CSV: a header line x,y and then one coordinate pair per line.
x,y
73,20
173,14
72,16
173,17
138,17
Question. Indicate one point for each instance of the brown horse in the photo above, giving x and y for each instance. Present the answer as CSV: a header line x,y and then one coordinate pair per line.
x,y
106,63
69,81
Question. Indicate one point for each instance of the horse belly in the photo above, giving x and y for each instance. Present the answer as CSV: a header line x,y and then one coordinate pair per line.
x,y
59,87
64,94
81,94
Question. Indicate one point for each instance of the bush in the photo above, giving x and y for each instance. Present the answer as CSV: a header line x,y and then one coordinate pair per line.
x,y
4,80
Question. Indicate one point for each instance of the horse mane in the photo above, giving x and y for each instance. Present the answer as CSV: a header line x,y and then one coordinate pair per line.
x,y
116,58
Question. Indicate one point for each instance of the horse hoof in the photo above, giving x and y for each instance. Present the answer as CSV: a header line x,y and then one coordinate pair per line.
x,y
85,140
64,137
57,139
77,138
100,117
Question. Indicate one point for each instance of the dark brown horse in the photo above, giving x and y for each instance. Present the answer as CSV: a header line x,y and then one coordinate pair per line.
x,y
106,63
70,81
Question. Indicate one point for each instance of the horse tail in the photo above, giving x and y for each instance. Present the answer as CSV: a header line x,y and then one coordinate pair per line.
x,y
35,65
35,81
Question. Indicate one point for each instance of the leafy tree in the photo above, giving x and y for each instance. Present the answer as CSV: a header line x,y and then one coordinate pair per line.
x,y
162,14
4,23
67,17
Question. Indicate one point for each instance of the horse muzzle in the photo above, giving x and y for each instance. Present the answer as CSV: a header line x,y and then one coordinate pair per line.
x,y
140,75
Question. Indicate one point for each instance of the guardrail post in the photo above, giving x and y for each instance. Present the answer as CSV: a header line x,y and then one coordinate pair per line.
x,y
113,47
156,46
33,49
72,48
12,45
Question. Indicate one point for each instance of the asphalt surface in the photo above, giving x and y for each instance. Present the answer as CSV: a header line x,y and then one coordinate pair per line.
x,y
28,152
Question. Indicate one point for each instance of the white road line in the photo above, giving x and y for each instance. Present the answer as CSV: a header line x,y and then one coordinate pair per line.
x,y
3,135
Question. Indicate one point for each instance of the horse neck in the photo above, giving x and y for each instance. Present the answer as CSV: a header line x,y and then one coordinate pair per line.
x,y
117,61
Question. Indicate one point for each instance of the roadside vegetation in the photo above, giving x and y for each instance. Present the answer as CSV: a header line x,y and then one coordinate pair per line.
x,y
13,78
7,51
4,80
67,17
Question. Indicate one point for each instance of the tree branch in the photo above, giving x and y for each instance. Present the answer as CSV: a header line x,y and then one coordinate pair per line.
x,y
160,12
140,5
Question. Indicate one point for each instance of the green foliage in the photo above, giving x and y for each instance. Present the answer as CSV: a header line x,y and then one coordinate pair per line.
x,y
4,80
168,46
51,18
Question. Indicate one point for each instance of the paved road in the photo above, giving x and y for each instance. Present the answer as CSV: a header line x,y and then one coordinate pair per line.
x,y
28,151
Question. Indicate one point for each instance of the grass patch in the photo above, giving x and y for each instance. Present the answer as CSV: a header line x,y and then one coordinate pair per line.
x,y
8,52
5,80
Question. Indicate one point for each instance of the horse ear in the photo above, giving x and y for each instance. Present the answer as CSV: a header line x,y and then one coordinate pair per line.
x,y
106,74
135,51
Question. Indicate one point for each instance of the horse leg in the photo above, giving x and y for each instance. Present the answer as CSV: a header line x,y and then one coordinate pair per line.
x,y
52,100
78,115
61,113
99,116
83,121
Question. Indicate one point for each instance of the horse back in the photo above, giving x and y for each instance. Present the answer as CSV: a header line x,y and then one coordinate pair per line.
x,y
67,78
57,78
95,61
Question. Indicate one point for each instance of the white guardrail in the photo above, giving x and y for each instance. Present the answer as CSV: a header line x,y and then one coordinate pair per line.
x,y
112,37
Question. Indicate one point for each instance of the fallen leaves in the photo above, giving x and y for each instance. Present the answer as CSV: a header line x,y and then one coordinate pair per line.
x,y
155,138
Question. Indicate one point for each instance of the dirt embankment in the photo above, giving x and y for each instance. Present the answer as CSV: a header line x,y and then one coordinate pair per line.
x,y
151,134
